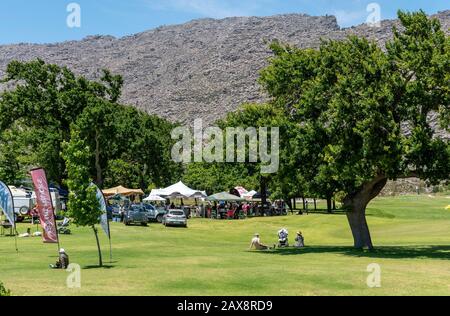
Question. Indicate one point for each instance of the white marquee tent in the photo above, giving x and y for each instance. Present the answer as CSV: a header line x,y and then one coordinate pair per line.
x,y
249,195
179,191
154,198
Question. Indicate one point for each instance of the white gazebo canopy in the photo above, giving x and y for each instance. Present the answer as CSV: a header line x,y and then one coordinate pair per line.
x,y
154,198
249,195
18,193
179,191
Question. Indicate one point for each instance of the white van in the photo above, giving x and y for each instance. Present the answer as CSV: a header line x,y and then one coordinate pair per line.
x,y
56,199
23,202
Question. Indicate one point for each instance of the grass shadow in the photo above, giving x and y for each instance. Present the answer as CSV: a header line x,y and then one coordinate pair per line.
x,y
319,211
438,252
106,267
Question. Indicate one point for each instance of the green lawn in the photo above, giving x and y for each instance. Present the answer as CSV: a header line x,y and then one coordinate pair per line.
x,y
412,235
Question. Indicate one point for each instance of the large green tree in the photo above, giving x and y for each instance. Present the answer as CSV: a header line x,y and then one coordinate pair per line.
x,y
361,112
46,99
129,147
42,105
11,150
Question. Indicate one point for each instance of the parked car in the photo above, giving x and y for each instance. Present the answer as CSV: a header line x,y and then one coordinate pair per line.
x,y
136,214
155,214
175,218
115,213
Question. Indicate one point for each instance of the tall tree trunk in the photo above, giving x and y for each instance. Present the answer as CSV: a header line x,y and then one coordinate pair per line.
x,y
315,204
142,179
329,205
334,205
289,203
304,203
295,204
61,167
98,166
356,205
100,260
263,191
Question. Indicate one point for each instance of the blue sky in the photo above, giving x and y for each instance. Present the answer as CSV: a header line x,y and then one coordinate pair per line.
x,y
44,21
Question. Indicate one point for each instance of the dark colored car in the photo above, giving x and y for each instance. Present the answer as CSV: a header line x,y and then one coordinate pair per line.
x,y
155,214
136,214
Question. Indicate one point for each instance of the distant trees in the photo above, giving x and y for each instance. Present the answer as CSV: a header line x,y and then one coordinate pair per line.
x,y
11,157
217,177
44,102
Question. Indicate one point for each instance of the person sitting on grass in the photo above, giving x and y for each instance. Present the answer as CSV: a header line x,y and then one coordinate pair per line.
x,y
256,243
26,235
63,261
299,241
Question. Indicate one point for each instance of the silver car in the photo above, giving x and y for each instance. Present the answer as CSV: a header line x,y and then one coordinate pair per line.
x,y
175,218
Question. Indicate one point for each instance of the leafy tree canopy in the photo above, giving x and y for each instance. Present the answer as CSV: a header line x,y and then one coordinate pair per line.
x,y
361,113
42,105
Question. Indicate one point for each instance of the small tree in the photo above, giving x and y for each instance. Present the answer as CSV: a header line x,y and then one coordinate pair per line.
x,y
83,205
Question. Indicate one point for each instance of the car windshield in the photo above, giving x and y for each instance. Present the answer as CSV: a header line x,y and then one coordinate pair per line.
x,y
149,207
177,213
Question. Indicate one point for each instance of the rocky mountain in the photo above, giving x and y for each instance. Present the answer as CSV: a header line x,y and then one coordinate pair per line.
x,y
204,68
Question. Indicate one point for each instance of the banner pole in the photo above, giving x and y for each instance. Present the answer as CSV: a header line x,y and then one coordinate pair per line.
x,y
103,204
14,218
110,251
45,186
110,242
15,237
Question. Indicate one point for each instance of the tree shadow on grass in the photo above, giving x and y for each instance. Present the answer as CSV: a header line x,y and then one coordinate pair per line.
x,y
318,211
106,267
439,252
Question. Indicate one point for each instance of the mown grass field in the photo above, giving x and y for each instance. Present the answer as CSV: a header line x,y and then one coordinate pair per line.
x,y
412,235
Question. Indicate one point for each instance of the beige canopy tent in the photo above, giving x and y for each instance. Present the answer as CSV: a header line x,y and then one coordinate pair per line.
x,y
122,191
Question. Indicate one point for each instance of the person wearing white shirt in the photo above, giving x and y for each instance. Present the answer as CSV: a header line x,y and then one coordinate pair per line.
x,y
256,243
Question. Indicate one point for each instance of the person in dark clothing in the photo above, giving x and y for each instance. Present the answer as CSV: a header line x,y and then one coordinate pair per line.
x,y
63,261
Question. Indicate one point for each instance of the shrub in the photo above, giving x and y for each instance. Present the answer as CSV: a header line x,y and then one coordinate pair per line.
x,y
4,291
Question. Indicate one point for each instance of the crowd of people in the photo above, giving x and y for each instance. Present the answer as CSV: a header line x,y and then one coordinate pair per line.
x,y
237,210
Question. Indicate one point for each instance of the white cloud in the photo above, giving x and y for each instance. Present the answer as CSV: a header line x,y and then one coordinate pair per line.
x,y
348,18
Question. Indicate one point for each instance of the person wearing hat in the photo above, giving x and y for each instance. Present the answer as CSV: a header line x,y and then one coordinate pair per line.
x,y
299,240
256,243
63,261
